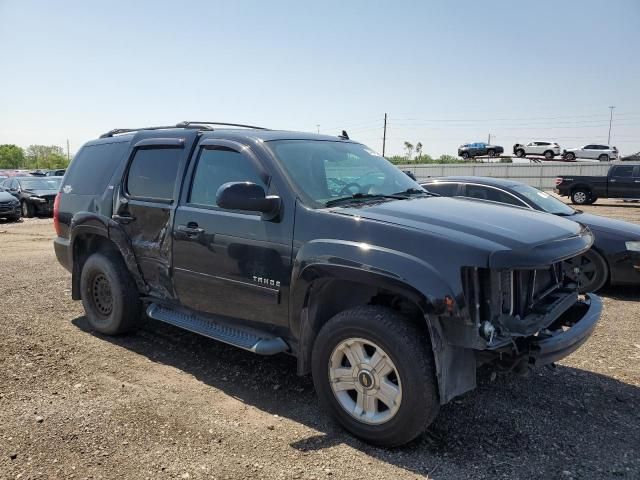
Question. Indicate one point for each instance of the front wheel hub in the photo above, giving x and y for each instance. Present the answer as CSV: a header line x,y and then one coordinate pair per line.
x,y
365,381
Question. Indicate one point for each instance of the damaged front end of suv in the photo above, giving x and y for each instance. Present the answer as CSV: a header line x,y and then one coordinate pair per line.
x,y
532,314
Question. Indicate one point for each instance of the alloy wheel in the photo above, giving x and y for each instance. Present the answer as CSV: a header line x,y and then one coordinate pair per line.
x,y
365,381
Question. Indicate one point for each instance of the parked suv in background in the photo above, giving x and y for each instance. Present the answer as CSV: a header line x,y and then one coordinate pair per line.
x,y
604,153
547,149
313,245
478,149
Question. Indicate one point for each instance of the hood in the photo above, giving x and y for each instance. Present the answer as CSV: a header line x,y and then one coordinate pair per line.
x,y
517,236
607,225
41,193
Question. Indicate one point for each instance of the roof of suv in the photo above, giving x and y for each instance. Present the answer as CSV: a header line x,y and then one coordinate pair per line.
x,y
227,133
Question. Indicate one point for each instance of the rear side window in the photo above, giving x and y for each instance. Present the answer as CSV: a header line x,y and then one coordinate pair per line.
x,y
444,189
152,173
622,171
217,167
93,167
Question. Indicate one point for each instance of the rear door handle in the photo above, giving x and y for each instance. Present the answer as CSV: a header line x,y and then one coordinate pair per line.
x,y
123,218
191,229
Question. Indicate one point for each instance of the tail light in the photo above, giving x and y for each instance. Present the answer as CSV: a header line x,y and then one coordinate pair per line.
x,y
56,214
558,180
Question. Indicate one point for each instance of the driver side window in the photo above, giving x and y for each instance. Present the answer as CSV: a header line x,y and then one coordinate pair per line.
x,y
216,167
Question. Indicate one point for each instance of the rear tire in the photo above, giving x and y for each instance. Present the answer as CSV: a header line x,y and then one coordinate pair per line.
x,y
549,155
594,271
580,197
520,153
395,356
109,294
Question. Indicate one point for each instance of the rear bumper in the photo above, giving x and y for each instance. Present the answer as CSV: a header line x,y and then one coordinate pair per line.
x,y
61,247
568,333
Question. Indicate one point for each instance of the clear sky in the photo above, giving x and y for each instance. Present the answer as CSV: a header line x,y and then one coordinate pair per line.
x,y
446,72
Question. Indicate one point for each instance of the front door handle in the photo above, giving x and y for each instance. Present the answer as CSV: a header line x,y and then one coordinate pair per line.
x,y
123,218
191,229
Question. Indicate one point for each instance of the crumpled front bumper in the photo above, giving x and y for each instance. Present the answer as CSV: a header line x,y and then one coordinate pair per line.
x,y
567,333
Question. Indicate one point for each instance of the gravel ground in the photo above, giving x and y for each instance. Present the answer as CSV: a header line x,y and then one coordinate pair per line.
x,y
164,403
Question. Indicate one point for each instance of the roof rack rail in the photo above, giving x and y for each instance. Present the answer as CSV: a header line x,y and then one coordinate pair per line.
x,y
195,125
188,124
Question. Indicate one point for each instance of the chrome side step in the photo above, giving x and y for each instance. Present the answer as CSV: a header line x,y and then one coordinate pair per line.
x,y
245,339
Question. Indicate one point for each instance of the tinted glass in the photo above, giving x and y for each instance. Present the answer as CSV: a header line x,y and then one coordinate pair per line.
x,y
326,170
486,193
622,171
152,173
444,189
543,200
216,167
93,167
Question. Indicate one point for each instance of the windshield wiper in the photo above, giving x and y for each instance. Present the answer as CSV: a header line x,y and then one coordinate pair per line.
x,y
359,197
416,191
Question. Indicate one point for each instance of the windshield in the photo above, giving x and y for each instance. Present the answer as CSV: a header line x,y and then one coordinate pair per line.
x,y
546,202
325,172
40,183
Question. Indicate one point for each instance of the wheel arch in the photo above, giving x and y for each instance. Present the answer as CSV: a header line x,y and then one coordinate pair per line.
x,y
320,290
90,233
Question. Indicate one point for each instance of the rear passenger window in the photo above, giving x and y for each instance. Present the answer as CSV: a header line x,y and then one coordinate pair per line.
x,y
93,167
152,173
444,189
622,171
217,167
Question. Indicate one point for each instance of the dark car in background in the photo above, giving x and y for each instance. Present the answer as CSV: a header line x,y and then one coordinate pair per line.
x,y
9,206
35,194
479,149
615,255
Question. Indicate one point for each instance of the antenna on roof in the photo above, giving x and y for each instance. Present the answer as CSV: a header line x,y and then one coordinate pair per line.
x,y
344,135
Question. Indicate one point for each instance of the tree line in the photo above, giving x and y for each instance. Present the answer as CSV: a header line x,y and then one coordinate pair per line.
x,y
33,157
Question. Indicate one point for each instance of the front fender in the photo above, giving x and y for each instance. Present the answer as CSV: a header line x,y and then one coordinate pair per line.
x,y
368,264
398,272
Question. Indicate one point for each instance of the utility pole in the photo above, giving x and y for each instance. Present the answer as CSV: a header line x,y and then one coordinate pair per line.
x,y
489,140
384,135
67,150
318,126
610,121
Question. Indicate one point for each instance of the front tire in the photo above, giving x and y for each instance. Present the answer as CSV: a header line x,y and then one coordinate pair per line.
x,y
603,158
374,371
592,273
465,155
549,155
28,210
580,197
109,294
491,152
570,156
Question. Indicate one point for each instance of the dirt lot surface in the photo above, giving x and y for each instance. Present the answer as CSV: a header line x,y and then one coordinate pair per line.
x,y
164,403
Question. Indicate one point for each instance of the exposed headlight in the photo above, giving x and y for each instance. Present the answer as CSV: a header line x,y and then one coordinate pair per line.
x,y
633,246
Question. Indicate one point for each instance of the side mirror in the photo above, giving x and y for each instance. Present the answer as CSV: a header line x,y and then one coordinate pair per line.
x,y
248,196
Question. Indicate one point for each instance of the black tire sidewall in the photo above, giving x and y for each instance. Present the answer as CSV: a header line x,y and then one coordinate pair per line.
x,y
580,203
520,153
602,272
414,414
113,323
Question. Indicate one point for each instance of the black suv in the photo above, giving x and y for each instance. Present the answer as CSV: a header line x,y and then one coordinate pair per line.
x,y
314,245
